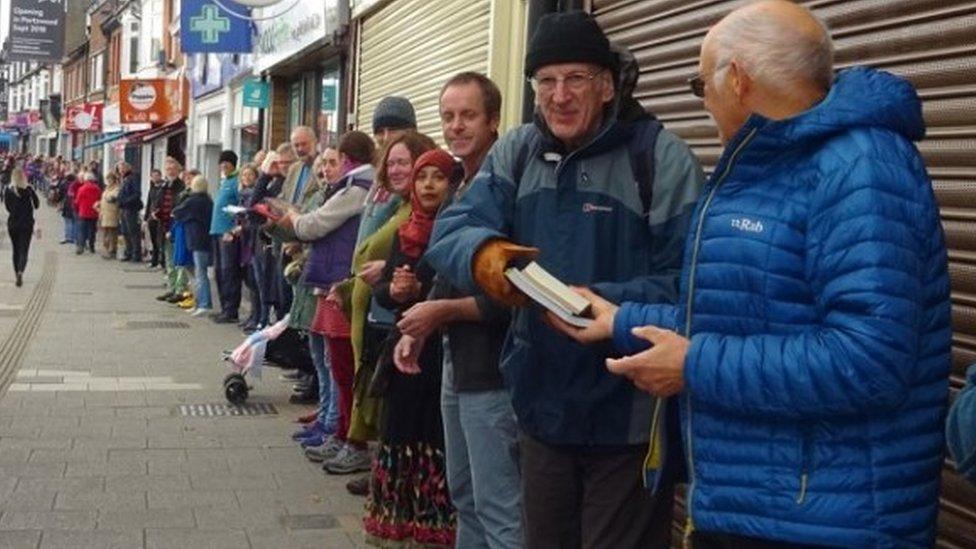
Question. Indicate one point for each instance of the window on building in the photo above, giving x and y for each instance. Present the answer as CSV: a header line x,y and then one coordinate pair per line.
x,y
133,47
96,77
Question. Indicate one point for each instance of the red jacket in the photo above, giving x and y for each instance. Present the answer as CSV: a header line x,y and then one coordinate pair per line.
x,y
85,199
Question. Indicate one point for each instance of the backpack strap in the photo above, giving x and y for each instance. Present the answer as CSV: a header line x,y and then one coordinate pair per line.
x,y
641,152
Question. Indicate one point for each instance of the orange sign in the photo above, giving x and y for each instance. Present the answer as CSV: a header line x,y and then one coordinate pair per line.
x,y
154,101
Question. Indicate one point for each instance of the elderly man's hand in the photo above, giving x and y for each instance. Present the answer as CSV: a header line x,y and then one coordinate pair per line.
x,y
659,370
489,264
603,313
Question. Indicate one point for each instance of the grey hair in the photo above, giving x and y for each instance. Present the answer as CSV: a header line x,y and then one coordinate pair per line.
x,y
772,53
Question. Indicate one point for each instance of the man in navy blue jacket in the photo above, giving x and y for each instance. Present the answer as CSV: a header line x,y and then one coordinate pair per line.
x,y
810,347
130,203
605,194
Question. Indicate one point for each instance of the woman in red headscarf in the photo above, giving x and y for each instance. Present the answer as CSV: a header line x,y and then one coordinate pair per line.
x,y
408,499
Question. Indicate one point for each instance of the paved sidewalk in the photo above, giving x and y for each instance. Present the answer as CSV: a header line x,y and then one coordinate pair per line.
x,y
94,451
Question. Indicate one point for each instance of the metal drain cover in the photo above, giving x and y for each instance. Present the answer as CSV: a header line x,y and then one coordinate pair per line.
x,y
227,410
309,522
154,325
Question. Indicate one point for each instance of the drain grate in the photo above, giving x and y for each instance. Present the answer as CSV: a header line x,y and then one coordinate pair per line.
x,y
154,325
143,286
227,410
309,522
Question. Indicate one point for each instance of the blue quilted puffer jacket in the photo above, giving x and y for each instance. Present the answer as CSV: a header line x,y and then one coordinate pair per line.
x,y
816,297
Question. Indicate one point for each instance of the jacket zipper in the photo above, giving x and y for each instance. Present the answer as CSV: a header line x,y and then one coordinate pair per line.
x,y
804,467
690,525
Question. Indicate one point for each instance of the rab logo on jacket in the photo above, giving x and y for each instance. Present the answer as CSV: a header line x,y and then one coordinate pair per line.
x,y
747,225
589,207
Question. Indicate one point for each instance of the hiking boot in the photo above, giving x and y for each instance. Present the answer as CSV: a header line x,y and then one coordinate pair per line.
x,y
327,451
177,297
349,460
358,486
164,297
188,304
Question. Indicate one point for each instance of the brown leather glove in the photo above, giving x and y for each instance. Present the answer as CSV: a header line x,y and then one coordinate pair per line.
x,y
488,267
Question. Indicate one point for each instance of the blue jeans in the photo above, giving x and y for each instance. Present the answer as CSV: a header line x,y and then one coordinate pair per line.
x,y
481,446
328,390
69,228
85,233
201,261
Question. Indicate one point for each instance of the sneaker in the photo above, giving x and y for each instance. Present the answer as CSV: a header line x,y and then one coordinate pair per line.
x,y
200,311
224,319
349,460
310,430
188,303
176,298
327,451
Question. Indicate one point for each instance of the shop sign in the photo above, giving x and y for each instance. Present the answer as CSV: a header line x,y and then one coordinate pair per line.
x,y
36,30
86,117
206,26
153,101
282,36
256,94
330,97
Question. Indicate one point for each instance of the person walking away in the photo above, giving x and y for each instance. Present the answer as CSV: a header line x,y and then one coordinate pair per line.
x,y
224,248
86,198
195,214
21,200
156,257
108,216
130,202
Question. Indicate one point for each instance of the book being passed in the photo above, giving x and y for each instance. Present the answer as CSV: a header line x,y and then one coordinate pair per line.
x,y
550,293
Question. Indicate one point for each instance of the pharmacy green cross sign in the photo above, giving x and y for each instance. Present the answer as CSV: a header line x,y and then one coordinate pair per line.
x,y
209,24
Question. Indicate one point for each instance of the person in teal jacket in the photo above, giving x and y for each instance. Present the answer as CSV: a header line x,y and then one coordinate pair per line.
x,y
225,250
605,194
810,348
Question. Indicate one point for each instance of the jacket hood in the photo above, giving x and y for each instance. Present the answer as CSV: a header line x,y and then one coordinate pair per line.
x,y
859,98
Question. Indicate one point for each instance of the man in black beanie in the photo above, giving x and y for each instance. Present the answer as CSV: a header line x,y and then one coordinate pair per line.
x,y
601,196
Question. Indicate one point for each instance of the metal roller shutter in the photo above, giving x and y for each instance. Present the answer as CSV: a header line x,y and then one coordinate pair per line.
x,y
930,42
411,47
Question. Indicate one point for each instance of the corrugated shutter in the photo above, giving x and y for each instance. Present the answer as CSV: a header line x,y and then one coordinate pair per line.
x,y
411,47
931,42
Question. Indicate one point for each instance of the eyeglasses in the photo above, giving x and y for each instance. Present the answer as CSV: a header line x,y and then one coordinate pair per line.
x,y
574,81
697,82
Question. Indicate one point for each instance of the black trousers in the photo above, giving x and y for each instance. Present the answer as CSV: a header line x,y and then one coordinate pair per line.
x,y
156,239
20,241
132,232
714,540
575,498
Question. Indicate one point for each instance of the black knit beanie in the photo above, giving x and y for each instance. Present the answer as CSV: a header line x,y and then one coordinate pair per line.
x,y
228,156
569,37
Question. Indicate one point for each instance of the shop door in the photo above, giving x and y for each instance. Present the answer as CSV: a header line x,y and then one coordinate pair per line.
x,y
930,42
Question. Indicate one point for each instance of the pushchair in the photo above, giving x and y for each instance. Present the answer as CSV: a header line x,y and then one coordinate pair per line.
x,y
248,359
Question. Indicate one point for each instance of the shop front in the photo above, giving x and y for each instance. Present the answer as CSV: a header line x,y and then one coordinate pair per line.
x,y
297,56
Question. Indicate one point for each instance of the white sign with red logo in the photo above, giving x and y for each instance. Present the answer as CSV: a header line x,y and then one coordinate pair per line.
x,y
86,117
